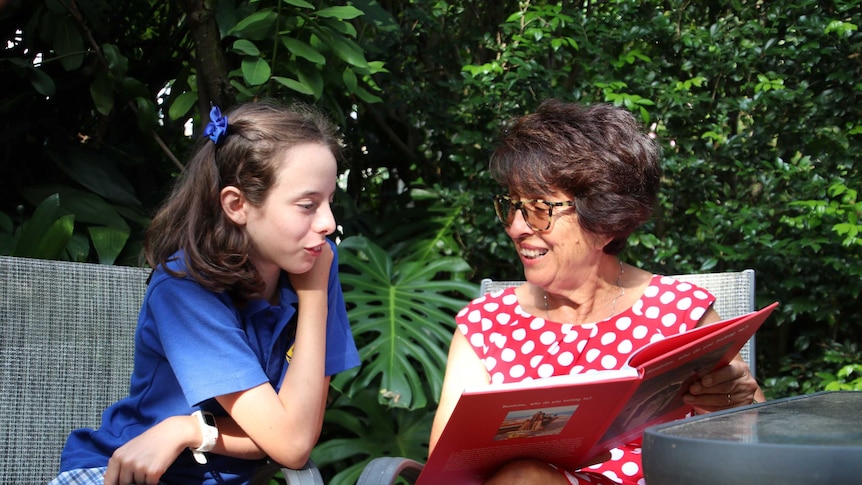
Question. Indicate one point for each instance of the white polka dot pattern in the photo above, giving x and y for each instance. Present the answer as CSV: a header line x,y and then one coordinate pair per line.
x,y
516,346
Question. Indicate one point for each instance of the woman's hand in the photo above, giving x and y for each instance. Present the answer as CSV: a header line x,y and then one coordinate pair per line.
x,y
144,459
727,387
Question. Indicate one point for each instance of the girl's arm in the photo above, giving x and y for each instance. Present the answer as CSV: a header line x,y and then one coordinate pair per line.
x,y
284,426
144,459
463,369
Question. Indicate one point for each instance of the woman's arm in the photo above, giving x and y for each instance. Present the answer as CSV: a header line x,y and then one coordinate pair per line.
x,y
463,369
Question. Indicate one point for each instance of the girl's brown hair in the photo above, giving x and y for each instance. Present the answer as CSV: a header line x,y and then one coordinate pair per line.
x,y
215,250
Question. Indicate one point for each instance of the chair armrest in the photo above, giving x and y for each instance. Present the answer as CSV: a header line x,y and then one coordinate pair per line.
x,y
307,475
386,470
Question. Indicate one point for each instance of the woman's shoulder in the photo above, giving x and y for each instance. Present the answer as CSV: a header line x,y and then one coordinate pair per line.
x,y
503,296
499,301
668,290
664,282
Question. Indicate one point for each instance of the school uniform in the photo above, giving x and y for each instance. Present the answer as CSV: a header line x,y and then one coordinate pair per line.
x,y
192,344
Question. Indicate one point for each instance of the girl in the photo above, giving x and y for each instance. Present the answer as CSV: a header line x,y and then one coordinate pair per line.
x,y
244,284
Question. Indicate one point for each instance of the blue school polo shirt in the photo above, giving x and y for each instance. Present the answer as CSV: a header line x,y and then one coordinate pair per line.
x,y
191,345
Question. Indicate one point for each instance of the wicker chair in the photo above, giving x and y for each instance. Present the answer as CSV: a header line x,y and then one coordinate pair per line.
x,y
66,350
734,294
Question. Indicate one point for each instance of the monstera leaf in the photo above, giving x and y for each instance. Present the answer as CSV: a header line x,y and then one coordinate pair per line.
x,y
402,316
359,429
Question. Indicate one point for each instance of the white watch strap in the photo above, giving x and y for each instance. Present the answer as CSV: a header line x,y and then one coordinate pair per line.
x,y
209,435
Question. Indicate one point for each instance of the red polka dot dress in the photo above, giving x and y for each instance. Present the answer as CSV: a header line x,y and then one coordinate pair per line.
x,y
517,346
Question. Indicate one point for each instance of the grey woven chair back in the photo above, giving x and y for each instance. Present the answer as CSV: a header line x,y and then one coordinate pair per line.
x,y
66,350
734,296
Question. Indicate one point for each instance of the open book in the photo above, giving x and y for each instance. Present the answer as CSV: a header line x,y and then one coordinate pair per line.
x,y
571,420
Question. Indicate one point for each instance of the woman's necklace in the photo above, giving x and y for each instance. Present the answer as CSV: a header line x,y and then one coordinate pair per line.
x,y
613,304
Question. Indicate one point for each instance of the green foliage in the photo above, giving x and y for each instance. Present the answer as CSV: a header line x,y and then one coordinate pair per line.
x,y
319,50
51,232
46,234
400,302
96,214
358,429
840,211
839,370
401,315
105,137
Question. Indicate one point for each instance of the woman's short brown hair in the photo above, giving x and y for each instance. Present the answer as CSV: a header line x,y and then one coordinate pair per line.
x,y
597,154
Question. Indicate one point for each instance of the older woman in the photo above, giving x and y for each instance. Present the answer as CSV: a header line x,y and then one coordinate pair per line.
x,y
578,181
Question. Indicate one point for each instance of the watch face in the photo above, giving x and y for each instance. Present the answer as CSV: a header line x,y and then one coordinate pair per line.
x,y
209,419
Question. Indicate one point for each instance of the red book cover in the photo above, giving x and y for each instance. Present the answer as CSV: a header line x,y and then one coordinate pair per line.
x,y
571,420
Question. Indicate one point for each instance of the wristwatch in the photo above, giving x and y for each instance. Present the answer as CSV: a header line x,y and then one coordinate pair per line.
x,y
209,434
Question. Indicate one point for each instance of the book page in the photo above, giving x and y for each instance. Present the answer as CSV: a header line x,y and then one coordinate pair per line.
x,y
660,348
589,376
556,422
675,348
675,363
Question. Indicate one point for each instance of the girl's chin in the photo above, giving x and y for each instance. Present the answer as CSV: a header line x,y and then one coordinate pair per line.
x,y
300,268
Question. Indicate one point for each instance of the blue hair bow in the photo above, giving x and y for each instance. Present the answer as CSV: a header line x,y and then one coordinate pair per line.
x,y
216,129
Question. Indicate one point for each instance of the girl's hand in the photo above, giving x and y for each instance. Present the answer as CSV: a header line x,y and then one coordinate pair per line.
x,y
144,459
317,278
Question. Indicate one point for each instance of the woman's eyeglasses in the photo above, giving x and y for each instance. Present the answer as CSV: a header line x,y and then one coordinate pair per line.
x,y
537,212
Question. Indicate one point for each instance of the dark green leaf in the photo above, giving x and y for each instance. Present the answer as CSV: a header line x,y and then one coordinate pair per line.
x,y
343,13
42,83
147,115
68,44
117,62
258,25
102,92
108,242
255,71
47,232
182,105
299,3
301,49
348,51
350,80
294,85
310,76
86,206
97,174
245,47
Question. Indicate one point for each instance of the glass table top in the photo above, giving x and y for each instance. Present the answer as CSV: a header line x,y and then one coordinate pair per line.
x,y
833,419
814,439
